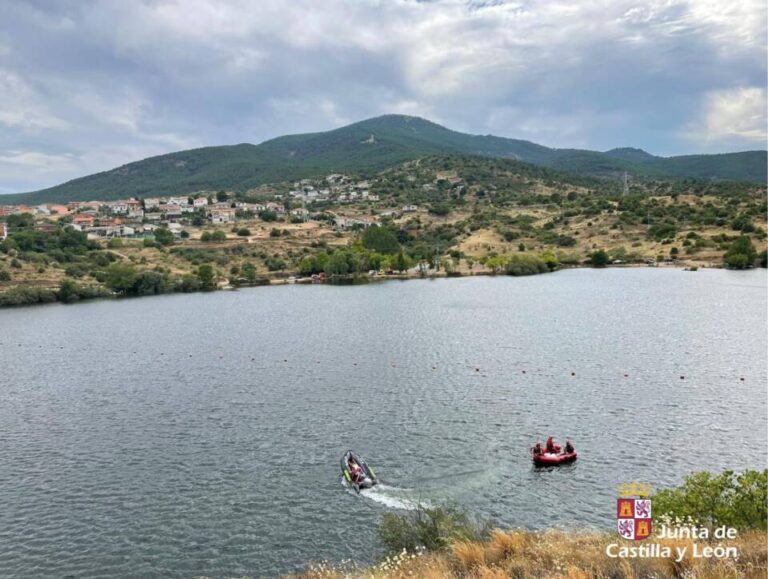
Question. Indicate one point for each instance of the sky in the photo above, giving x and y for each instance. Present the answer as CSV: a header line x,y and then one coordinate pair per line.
x,y
91,85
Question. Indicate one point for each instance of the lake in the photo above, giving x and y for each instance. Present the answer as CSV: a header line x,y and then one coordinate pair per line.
x,y
201,434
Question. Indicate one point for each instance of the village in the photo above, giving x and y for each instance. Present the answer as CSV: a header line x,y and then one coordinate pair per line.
x,y
135,218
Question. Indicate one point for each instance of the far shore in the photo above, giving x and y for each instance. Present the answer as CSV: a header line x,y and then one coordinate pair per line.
x,y
281,279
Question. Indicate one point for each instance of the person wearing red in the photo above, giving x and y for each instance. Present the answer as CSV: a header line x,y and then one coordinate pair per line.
x,y
551,446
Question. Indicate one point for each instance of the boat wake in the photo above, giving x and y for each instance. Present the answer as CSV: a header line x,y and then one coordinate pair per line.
x,y
395,498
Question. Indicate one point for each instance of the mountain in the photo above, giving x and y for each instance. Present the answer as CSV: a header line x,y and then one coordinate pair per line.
x,y
372,145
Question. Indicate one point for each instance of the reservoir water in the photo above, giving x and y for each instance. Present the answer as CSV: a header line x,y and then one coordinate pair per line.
x,y
191,435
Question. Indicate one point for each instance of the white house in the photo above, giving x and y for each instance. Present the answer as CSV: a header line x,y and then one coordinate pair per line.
x,y
222,215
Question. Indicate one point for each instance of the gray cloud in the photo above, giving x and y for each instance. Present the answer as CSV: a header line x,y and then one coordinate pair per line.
x,y
91,85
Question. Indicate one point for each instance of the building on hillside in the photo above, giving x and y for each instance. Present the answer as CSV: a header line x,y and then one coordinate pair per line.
x,y
3,231
60,210
410,208
111,231
200,202
83,220
151,203
350,223
221,215
300,212
118,207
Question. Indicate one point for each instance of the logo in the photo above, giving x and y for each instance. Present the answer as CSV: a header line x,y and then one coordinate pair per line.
x,y
633,511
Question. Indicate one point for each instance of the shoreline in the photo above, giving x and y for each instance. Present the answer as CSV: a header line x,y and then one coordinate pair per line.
x,y
51,293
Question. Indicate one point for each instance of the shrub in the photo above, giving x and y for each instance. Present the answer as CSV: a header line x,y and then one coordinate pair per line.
x,y
381,240
527,265
75,271
599,258
243,232
267,215
741,253
440,210
433,529
216,235
728,499
70,292
114,243
4,275
275,264
207,277
275,232
24,295
187,283
164,236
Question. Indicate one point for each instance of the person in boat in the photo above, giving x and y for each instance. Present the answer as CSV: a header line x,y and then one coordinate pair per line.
x,y
355,471
568,446
551,445
537,449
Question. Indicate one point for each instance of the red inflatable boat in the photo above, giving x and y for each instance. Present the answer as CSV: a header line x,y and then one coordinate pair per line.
x,y
553,459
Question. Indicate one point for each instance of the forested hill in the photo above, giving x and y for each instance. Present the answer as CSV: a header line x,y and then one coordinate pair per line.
x,y
372,145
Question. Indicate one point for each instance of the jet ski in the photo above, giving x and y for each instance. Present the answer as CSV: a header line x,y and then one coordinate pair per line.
x,y
356,472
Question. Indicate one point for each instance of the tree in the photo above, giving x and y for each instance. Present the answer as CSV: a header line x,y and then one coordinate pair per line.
x,y
164,236
275,263
207,277
307,265
21,221
741,254
221,196
120,277
401,262
599,258
243,232
337,264
267,215
551,260
381,239
148,283
248,271
68,292
216,235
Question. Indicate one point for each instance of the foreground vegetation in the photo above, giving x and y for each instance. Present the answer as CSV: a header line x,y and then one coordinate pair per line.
x,y
446,542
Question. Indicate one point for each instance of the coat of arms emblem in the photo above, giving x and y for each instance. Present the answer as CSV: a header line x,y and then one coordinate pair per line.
x,y
633,511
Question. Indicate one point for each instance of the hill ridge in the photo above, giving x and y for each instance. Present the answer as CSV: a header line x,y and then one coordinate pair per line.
x,y
371,145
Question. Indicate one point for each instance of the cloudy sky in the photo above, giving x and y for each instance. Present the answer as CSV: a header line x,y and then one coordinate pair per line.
x,y
89,85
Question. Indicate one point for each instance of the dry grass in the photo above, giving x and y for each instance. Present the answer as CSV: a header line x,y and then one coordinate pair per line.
x,y
558,555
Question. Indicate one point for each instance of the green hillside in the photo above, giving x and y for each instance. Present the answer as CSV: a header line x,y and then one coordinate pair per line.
x,y
372,145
